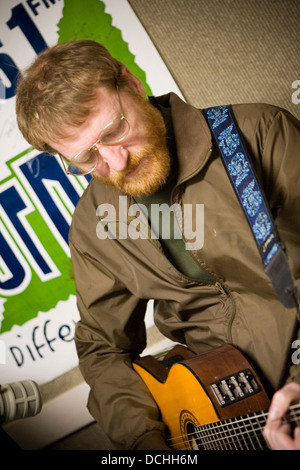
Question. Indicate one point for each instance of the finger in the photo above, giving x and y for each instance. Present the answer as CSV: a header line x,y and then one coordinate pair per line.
x,y
279,439
282,399
286,429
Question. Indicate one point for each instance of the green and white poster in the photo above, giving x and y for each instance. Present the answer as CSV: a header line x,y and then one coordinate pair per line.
x,y
38,308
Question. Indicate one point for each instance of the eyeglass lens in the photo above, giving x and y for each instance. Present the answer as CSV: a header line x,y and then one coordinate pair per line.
x,y
86,162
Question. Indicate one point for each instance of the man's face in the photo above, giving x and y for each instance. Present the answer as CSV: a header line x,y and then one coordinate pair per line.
x,y
140,164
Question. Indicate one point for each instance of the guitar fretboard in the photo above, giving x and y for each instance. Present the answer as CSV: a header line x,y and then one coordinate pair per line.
x,y
240,433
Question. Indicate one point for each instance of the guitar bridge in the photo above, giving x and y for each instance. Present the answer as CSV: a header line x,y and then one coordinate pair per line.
x,y
235,387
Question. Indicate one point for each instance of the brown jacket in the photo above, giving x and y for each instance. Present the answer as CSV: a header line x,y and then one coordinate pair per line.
x,y
115,277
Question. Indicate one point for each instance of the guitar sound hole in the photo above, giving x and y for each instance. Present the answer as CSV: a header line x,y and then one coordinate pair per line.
x,y
188,425
193,440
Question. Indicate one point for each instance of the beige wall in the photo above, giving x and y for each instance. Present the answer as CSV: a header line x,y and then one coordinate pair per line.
x,y
228,51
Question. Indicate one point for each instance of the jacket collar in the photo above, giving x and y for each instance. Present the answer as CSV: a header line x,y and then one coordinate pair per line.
x,y
193,137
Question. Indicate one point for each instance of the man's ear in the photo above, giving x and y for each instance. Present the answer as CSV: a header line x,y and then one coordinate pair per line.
x,y
133,81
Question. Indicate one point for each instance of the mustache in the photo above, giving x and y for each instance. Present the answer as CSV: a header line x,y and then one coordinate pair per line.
x,y
134,159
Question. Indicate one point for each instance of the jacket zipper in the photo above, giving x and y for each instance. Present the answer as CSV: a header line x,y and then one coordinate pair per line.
x,y
218,283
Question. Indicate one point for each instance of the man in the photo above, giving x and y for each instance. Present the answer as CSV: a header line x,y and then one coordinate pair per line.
x,y
78,102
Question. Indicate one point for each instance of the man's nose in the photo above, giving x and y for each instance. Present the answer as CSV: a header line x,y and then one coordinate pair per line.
x,y
115,156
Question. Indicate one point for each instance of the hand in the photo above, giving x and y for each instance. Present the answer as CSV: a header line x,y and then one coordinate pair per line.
x,y
279,434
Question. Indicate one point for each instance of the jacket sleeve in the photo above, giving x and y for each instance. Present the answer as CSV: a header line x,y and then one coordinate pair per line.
x,y
281,173
110,334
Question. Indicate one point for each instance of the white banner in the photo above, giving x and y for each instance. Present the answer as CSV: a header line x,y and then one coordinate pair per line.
x,y
37,295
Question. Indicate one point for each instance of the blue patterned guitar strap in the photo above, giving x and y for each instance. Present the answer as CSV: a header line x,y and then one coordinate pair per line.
x,y
253,203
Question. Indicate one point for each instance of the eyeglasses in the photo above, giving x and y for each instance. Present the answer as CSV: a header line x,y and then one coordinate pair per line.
x,y
86,161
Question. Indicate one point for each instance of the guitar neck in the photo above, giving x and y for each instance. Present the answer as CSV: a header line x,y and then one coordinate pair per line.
x,y
238,433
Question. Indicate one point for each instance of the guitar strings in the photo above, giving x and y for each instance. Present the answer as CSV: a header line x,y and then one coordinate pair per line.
x,y
208,433
209,439
209,436
209,430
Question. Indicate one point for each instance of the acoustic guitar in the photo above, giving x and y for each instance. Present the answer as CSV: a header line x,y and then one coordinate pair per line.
x,y
211,401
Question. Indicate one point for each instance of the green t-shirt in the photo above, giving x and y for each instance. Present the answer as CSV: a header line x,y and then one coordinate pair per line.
x,y
165,226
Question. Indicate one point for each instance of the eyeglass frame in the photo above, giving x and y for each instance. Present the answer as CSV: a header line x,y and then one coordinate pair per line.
x,y
121,117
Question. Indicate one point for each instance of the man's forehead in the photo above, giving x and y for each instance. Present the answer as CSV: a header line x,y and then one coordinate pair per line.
x,y
80,137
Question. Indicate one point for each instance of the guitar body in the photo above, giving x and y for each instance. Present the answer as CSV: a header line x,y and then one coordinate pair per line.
x,y
195,391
